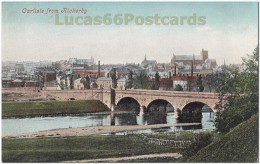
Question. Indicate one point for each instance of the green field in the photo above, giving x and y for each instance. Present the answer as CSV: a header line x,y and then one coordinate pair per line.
x,y
43,108
77,148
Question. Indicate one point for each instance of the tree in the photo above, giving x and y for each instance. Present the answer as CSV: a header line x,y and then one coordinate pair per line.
x,y
152,87
238,95
62,85
141,80
129,81
157,80
178,87
210,81
114,78
87,83
200,86
190,85
72,81
66,82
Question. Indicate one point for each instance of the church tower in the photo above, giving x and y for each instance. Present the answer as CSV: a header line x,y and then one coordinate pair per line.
x,y
204,54
173,60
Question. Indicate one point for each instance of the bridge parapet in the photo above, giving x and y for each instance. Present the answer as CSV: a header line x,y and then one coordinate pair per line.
x,y
169,93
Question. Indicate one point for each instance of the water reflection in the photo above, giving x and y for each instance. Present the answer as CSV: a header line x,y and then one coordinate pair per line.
x,y
133,118
16,126
156,117
125,119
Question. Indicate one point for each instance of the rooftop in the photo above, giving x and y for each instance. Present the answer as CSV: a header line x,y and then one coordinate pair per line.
x,y
188,57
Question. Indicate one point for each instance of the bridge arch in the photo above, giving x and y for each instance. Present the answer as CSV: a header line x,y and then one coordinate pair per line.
x,y
159,105
199,104
193,110
128,104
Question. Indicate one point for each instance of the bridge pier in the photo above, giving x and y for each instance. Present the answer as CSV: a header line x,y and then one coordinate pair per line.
x,y
112,119
143,110
177,113
112,107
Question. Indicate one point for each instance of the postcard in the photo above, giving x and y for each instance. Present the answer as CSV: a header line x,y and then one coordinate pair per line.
x,y
130,82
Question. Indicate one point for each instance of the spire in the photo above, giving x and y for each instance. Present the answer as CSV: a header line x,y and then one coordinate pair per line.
x,y
145,58
224,62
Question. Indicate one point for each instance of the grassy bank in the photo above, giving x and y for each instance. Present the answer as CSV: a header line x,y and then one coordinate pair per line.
x,y
239,145
77,148
23,109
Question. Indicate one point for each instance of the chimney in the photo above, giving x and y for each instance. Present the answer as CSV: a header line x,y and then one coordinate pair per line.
x,y
191,69
99,68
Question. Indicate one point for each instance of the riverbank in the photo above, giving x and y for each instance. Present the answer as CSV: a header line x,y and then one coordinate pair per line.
x,y
46,108
86,131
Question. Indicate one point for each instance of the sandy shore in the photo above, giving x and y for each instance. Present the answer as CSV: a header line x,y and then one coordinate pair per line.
x,y
85,131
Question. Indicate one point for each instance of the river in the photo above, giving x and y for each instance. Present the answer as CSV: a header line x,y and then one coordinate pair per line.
x,y
25,125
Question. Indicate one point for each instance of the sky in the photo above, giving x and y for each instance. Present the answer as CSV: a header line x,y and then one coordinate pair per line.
x,y
229,33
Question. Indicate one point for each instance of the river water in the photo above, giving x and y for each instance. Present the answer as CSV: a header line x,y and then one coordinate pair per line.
x,y
25,125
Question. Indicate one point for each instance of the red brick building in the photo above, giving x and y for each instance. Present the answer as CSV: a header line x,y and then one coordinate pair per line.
x,y
169,83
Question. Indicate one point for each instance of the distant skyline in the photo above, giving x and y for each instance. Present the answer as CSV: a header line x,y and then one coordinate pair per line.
x,y
230,32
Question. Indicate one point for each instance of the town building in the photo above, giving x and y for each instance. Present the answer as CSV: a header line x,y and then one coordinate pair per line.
x,y
121,83
148,64
195,62
104,82
6,82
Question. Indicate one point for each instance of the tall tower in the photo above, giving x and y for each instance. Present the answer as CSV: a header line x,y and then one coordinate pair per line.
x,y
99,68
173,60
204,54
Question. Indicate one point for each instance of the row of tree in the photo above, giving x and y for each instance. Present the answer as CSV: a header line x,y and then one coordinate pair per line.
x,y
238,93
139,82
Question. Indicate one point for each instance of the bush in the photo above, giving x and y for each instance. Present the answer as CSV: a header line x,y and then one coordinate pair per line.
x,y
178,87
201,140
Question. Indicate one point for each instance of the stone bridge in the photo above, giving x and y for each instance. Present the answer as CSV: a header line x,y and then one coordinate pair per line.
x,y
148,98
